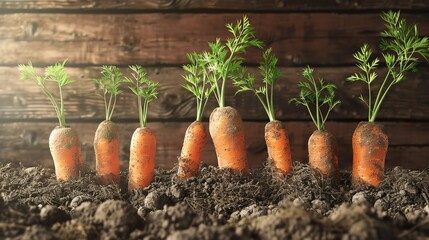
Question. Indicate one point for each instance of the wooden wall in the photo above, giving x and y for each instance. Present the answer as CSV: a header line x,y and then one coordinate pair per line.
x,y
159,33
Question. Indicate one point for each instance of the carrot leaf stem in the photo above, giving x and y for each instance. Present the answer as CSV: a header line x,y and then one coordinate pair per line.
x,y
55,73
318,93
223,60
400,47
144,89
245,81
197,82
109,83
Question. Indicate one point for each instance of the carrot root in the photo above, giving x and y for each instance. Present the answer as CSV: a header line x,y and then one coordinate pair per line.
x,y
370,144
65,148
193,145
106,147
323,153
278,147
142,158
227,132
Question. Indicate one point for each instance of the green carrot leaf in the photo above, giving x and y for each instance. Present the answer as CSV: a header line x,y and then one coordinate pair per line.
x,y
401,46
316,94
144,89
245,81
55,73
224,60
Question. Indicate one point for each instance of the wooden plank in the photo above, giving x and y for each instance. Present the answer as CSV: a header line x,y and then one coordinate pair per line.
x,y
24,101
29,142
407,157
201,5
298,39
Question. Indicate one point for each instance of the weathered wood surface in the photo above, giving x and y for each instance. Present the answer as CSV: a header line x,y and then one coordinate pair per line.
x,y
159,33
28,143
201,5
153,38
21,100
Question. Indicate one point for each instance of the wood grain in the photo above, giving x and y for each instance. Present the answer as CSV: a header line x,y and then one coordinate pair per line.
x,y
202,5
25,102
28,143
152,39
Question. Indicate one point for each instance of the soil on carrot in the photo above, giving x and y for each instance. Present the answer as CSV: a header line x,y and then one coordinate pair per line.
x,y
215,205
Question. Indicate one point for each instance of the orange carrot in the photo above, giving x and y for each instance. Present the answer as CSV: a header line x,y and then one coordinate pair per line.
x,y
65,148
193,145
143,142
63,141
227,132
106,146
276,137
278,146
318,97
323,153
142,158
370,145
401,46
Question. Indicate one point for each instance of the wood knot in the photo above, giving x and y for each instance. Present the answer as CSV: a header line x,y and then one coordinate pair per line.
x,y
30,29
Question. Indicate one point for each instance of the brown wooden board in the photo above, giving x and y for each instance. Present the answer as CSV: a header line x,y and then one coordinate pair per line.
x,y
28,142
153,38
202,5
23,101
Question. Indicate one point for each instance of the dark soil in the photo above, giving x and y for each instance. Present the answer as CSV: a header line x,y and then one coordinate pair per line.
x,y
215,205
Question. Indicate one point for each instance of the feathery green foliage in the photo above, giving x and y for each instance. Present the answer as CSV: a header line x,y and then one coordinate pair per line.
x,y
56,74
198,82
109,83
318,94
143,88
223,61
246,82
400,46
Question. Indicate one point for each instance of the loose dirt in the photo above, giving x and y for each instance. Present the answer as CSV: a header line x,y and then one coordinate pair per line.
x,y
215,205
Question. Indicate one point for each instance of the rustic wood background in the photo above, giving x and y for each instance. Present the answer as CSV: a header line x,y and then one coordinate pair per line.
x,y
159,33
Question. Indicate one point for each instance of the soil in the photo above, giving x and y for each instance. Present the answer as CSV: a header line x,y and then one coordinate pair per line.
x,y
215,205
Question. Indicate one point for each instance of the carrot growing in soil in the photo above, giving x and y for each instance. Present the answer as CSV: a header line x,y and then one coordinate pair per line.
x,y
143,141
276,137
195,136
400,46
106,140
64,141
322,145
225,124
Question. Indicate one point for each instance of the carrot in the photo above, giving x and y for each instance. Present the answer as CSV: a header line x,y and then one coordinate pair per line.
x,y
370,144
276,137
195,137
401,47
106,141
323,153
64,142
322,145
143,141
225,124
278,147
106,146
65,148
227,132
193,145
142,158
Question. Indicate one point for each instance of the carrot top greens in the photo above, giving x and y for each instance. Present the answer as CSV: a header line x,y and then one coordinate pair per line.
x,y
400,47
317,94
246,82
198,81
223,61
56,74
143,88
109,82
